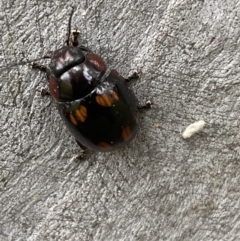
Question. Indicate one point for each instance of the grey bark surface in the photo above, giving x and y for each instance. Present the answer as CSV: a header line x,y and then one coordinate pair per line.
x,y
160,187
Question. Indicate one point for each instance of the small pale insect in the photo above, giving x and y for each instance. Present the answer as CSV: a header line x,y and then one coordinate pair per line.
x,y
193,129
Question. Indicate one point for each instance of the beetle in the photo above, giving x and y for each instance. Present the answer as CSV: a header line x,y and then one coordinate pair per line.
x,y
100,111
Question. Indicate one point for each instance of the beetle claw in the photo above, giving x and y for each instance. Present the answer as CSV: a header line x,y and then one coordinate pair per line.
x,y
147,106
43,92
81,157
42,68
135,75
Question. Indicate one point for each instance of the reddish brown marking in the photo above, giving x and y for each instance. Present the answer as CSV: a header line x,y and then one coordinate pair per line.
x,y
96,62
104,145
54,87
73,119
126,133
99,99
115,95
81,113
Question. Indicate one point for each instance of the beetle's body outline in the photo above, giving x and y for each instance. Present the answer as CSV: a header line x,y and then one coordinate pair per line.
x,y
102,113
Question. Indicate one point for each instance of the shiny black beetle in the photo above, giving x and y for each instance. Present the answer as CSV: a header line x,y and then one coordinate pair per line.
x,y
101,112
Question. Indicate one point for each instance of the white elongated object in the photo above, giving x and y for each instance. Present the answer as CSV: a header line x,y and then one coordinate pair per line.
x,y
193,129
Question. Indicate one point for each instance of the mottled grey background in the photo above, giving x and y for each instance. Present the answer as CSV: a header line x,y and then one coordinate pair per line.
x,y
160,187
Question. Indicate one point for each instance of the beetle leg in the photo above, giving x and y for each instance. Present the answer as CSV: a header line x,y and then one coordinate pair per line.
x,y
135,75
43,92
147,106
86,49
84,148
41,67
75,43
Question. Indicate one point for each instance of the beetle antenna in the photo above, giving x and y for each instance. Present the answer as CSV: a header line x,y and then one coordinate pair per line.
x,y
69,41
25,62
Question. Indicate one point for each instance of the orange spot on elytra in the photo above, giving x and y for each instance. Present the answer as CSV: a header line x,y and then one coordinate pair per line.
x,y
106,100
81,113
73,119
126,133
